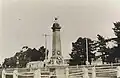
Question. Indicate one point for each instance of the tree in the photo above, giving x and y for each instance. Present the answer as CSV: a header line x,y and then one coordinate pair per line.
x,y
116,30
78,54
115,50
104,49
23,57
9,62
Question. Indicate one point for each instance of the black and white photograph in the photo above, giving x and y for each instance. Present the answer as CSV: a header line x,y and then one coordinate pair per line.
x,y
59,38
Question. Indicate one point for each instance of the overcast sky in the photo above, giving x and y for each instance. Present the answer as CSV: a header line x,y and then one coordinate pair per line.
x,y
25,21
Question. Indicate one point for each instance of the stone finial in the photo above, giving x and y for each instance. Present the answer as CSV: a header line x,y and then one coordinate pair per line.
x,y
56,18
56,25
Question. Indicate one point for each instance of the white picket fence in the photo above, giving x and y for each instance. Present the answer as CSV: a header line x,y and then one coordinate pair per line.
x,y
98,71
101,71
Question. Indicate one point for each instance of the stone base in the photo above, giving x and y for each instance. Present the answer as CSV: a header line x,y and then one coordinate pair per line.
x,y
57,65
58,70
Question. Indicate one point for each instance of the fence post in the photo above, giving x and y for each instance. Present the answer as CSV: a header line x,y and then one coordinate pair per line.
x,y
118,71
85,73
93,72
3,73
67,72
15,73
77,66
37,73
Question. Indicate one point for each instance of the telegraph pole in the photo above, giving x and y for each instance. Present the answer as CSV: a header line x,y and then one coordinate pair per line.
x,y
87,52
46,57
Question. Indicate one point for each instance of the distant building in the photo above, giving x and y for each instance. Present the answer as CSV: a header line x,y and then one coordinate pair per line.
x,y
35,64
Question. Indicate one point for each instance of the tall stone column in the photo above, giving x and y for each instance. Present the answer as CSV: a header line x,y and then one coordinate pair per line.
x,y
56,44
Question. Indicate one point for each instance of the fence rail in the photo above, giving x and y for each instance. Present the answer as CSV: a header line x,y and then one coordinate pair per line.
x,y
83,71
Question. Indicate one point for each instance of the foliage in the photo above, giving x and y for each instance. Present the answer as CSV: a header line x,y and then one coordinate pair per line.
x,y
116,50
20,59
102,48
116,30
78,54
110,54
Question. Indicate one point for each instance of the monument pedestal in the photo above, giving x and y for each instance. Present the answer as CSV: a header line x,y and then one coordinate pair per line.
x,y
58,71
